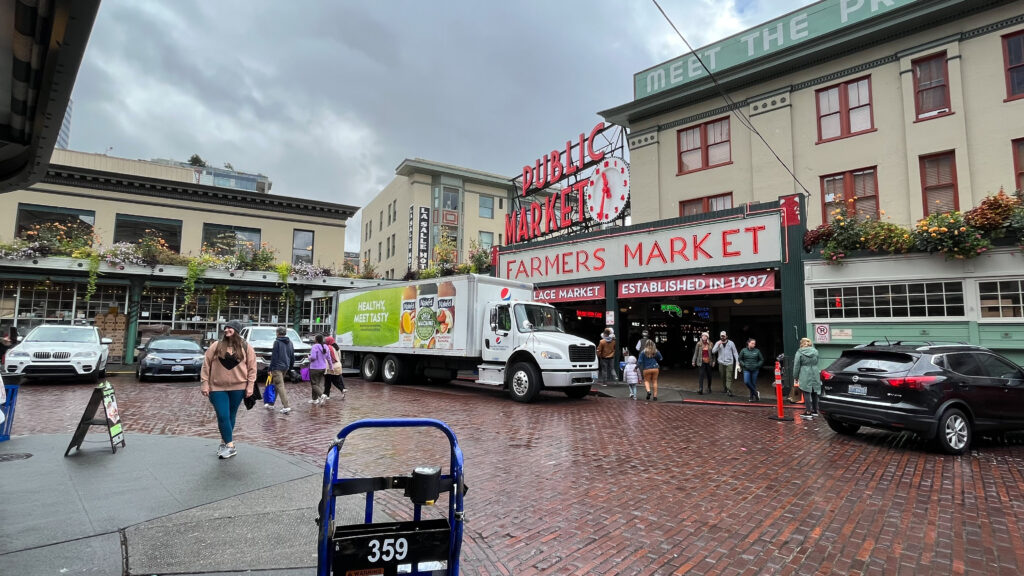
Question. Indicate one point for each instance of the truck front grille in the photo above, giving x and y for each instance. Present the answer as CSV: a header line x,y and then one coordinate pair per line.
x,y
582,353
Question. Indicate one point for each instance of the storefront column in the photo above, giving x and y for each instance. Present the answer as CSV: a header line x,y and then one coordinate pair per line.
x,y
134,302
794,309
611,304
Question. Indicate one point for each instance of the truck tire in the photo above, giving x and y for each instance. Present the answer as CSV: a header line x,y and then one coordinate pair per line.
x,y
577,391
392,370
524,382
370,370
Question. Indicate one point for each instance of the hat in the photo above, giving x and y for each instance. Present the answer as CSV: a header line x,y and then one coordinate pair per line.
x,y
723,333
234,324
644,332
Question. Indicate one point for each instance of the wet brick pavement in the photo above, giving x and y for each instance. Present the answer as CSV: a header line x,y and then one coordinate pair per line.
x,y
614,486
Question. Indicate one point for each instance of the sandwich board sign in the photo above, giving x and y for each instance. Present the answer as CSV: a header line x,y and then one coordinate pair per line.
x,y
102,397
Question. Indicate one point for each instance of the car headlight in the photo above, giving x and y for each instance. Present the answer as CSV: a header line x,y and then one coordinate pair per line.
x,y
17,354
198,361
153,360
548,355
86,354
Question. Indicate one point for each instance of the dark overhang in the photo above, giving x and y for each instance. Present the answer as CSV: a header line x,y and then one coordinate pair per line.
x,y
911,19
168,189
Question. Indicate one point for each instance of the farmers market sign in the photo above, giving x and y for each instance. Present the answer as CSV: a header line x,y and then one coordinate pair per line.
x,y
813,21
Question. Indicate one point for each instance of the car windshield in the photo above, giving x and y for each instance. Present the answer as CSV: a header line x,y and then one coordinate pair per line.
x,y
63,334
174,345
541,318
267,336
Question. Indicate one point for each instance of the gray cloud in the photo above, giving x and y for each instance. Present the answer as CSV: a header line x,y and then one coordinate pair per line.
x,y
327,97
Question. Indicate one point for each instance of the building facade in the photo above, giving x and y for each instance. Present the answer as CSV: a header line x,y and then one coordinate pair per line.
x,y
64,135
424,200
122,200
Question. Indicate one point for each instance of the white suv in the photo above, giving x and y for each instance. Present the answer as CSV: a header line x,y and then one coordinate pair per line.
x,y
59,350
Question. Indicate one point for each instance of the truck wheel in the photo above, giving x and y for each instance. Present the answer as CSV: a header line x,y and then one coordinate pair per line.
x,y
392,369
524,382
577,391
371,368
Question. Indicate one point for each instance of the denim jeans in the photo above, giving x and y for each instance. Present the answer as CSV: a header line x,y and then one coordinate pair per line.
x,y
225,404
704,373
607,373
750,379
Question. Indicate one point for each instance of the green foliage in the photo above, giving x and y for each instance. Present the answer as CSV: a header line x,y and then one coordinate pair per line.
x,y
367,271
429,272
880,236
993,214
478,258
845,238
948,233
218,297
196,160
261,258
94,272
60,238
195,270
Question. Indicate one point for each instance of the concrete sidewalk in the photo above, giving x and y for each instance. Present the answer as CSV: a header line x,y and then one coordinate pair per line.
x,y
162,504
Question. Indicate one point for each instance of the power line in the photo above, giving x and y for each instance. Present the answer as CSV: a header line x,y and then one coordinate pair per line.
x,y
728,100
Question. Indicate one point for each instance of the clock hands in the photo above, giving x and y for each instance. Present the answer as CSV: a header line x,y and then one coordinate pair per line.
x,y
606,192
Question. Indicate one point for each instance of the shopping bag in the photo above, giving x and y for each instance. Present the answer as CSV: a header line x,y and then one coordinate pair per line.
x,y
304,374
269,394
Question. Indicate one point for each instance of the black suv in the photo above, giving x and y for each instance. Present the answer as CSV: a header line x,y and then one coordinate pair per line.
x,y
945,392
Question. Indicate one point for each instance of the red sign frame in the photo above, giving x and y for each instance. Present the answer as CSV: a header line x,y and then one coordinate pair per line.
x,y
724,283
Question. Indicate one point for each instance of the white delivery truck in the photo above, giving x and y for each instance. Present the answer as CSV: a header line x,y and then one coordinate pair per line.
x,y
434,328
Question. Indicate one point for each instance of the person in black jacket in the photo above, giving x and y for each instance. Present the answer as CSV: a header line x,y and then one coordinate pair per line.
x,y
281,360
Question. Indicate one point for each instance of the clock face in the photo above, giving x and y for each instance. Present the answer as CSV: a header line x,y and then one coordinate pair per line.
x,y
608,189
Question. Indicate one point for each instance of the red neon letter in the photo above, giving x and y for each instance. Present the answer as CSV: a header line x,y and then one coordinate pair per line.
x,y
638,254
556,166
566,210
726,243
673,250
534,219
595,156
599,256
550,214
697,246
527,179
753,233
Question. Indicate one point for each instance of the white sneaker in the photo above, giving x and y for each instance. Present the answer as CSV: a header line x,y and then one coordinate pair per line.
x,y
324,398
317,401
268,406
285,410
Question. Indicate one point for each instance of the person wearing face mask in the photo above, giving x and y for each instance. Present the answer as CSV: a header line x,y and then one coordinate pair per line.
x,y
606,355
228,376
704,361
725,354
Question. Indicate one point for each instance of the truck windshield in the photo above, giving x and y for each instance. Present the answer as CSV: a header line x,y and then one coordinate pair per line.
x,y
541,318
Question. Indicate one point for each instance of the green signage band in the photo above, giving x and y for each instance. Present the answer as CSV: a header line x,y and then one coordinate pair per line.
x,y
812,21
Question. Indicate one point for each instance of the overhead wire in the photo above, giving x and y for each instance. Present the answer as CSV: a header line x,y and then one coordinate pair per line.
x,y
731,104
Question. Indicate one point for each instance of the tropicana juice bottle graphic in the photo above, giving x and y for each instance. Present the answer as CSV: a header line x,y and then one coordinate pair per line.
x,y
407,322
426,316
445,315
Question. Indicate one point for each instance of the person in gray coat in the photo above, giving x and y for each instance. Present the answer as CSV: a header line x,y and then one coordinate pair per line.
x,y
807,376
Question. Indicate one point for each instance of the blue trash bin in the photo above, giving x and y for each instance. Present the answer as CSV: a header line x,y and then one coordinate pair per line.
x,y
8,410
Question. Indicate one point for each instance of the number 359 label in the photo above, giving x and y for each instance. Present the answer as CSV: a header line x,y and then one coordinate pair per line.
x,y
387,550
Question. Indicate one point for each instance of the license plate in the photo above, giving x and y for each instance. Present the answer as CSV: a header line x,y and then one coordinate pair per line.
x,y
177,368
859,390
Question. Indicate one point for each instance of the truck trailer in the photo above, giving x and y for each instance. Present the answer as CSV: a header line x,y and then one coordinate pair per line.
x,y
432,329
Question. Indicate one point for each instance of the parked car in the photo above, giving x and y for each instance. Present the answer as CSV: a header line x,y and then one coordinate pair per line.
x,y
169,356
57,350
262,340
939,391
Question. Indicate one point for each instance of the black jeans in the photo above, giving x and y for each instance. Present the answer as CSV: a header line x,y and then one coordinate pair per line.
x,y
331,380
703,373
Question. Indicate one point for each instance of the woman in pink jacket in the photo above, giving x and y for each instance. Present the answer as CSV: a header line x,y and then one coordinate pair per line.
x,y
228,375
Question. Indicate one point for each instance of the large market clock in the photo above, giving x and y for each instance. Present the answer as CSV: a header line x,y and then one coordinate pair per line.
x,y
608,189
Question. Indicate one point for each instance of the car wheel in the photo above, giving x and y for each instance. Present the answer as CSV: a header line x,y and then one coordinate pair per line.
x,y
371,368
955,432
139,376
392,369
524,382
842,427
577,391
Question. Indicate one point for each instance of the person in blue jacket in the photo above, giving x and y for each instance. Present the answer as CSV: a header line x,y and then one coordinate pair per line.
x,y
282,358
649,367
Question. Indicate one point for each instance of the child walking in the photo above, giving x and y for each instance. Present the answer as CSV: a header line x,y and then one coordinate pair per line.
x,y
631,374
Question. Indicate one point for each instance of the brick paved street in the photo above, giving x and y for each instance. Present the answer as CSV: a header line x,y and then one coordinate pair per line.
x,y
611,486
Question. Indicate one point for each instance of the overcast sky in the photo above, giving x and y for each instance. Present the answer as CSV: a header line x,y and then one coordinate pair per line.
x,y
327,97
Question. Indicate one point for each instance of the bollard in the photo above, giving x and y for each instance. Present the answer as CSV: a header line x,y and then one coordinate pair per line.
x,y
781,417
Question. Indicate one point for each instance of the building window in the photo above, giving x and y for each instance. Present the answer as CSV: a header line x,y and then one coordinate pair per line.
x,y
226,240
903,300
394,245
1002,299
1018,162
704,146
380,223
938,183
450,198
705,204
501,203
378,251
486,240
487,207
931,86
302,247
1013,57
131,229
369,230
31,217
844,110
856,191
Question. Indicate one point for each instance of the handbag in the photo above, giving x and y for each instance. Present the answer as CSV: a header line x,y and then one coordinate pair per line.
x,y
335,368
269,391
250,401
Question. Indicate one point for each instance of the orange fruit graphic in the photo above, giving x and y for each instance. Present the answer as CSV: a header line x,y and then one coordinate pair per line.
x,y
407,322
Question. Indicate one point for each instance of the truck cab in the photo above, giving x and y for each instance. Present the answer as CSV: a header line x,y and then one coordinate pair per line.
x,y
526,347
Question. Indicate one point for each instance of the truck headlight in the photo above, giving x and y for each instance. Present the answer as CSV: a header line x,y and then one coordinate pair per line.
x,y
547,355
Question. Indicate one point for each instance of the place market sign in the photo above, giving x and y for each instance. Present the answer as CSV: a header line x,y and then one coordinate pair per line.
x,y
812,21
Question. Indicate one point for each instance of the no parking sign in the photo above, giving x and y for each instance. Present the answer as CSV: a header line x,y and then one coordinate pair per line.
x,y
822,335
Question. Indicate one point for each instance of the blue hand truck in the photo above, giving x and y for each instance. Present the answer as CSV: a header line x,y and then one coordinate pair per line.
x,y
392,548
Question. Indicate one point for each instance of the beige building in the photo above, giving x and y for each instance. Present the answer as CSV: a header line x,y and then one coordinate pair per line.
x,y
901,119
424,199
122,198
